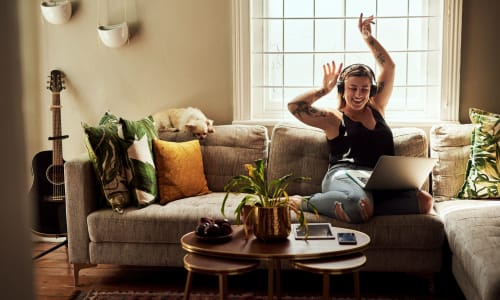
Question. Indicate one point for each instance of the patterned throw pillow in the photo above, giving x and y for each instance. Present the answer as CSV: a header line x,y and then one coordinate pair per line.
x,y
180,170
482,179
136,140
107,159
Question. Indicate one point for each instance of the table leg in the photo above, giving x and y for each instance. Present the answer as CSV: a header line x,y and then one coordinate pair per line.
x,y
326,285
356,286
270,279
277,268
187,289
222,286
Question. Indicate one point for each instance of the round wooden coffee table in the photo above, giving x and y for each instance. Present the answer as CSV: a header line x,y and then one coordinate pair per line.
x,y
240,247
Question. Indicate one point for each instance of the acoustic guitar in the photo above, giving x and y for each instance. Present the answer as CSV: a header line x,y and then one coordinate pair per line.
x,y
47,191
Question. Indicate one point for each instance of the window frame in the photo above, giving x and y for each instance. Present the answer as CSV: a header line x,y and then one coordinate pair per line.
x,y
451,57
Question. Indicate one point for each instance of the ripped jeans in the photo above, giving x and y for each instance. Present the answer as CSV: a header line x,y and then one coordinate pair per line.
x,y
339,189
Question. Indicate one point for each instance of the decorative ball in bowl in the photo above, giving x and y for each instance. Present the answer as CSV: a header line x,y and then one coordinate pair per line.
x,y
213,230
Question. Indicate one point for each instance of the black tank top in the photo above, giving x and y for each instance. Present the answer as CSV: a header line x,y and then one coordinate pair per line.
x,y
360,145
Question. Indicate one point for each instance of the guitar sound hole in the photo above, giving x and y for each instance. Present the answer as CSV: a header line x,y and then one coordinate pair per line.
x,y
55,174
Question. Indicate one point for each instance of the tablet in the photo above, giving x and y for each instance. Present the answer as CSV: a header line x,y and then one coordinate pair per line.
x,y
316,231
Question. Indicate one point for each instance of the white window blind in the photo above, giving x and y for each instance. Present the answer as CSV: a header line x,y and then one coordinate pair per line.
x,y
280,46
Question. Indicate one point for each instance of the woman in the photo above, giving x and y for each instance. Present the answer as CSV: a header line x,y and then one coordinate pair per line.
x,y
357,135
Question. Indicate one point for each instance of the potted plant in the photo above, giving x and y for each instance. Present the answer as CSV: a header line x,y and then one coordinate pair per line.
x,y
266,204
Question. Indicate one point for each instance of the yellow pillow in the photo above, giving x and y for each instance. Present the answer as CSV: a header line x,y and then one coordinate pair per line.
x,y
180,170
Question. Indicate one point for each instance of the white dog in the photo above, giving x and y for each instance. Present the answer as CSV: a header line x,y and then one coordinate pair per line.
x,y
181,119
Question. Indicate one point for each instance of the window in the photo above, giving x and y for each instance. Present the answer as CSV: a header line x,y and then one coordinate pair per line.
x,y
280,46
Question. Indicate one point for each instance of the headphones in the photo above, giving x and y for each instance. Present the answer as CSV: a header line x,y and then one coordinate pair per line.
x,y
357,70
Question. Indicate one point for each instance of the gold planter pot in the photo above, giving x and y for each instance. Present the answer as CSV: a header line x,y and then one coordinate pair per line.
x,y
272,223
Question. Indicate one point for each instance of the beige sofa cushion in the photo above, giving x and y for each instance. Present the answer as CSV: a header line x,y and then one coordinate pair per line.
x,y
450,144
307,156
158,223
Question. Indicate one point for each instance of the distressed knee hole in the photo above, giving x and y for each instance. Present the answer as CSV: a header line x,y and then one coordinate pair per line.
x,y
340,213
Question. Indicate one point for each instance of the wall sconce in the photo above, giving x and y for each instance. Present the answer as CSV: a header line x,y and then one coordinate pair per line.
x,y
56,12
113,36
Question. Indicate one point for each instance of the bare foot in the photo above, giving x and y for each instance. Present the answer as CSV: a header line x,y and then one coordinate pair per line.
x,y
341,215
425,201
295,201
366,209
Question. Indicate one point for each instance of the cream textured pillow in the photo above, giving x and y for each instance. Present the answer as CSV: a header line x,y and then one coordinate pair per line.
x,y
451,144
482,180
180,170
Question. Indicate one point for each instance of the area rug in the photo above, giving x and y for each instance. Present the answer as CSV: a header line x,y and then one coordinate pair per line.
x,y
154,295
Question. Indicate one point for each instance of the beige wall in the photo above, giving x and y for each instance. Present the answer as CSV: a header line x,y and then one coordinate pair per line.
x,y
480,68
179,55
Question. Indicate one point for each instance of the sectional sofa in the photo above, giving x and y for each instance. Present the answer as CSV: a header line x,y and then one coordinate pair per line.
x,y
150,236
472,227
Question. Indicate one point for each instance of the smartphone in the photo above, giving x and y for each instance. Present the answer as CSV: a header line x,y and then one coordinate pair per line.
x,y
346,238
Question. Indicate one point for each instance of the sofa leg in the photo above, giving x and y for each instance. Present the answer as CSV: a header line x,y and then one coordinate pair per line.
x,y
76,271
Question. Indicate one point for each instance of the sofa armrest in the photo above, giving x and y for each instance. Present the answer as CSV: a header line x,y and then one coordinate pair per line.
x,y
82,196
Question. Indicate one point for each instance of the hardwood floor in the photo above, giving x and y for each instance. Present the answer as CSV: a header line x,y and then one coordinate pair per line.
x,y
52,273
53,277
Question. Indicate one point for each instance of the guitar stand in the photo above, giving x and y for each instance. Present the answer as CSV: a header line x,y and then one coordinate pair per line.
x,y
63,243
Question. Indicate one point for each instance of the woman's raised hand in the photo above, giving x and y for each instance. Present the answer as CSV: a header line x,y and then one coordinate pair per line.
x,y
365,26
330,76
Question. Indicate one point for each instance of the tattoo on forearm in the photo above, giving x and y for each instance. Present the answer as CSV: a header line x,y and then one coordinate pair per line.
x,y
381,58
379,55
320,93
380,87
303,107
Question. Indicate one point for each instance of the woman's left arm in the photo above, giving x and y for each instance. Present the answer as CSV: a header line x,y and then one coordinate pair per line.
x,y
385,79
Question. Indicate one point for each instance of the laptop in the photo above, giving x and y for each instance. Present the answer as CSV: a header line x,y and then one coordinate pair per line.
x,y
395,173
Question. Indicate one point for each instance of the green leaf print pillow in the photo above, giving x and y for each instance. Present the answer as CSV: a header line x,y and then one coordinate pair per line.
x,y
136,138
104,151
482,178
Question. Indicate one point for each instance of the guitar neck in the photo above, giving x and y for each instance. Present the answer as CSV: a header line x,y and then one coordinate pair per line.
x,y
57,157
56,85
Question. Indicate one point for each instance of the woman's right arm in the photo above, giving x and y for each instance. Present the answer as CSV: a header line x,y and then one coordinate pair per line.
x,y
387,68
302,106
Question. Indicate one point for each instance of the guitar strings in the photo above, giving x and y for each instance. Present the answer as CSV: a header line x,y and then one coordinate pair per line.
x,y
58,169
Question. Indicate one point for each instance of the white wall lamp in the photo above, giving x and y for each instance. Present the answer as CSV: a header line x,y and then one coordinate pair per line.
x,y
56,12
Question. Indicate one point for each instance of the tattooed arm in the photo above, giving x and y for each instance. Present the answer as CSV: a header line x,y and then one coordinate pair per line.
x,y
386,66
302,106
